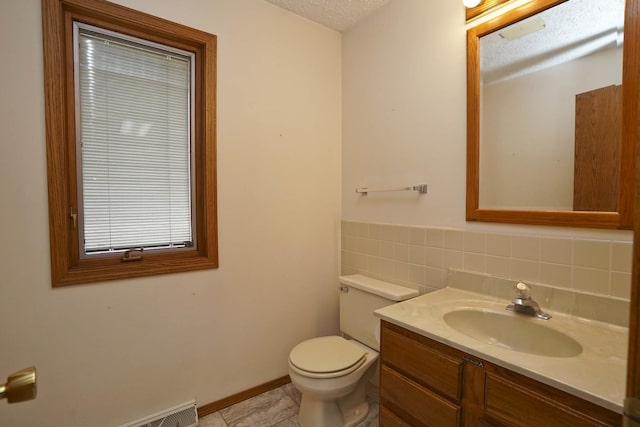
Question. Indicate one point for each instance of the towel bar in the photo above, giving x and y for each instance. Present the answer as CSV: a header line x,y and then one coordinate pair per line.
x,y
420,188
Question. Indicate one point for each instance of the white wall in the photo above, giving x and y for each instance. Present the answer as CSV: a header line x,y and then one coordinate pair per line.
x,y
404,120
404,113
528,126
111,352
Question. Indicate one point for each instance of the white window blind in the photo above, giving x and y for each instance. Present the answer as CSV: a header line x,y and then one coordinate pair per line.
x,y
134,141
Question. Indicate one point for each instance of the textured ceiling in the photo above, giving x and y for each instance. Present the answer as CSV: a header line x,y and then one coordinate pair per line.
x,y
572,30
336,14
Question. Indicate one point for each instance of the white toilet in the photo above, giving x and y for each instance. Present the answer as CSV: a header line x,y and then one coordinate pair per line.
x,y
332,372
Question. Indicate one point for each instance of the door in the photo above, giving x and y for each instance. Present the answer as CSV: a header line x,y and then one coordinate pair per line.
x,y
597,149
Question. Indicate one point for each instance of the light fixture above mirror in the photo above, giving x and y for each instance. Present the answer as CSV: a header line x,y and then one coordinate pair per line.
x,y
475,8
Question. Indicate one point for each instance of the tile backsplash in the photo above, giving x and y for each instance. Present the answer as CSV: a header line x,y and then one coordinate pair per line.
x,y
419,257
601,308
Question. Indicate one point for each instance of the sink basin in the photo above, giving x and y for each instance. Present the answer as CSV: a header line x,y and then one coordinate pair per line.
x,y
514,332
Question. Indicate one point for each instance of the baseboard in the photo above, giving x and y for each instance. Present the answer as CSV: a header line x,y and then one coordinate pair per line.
x,y
212,407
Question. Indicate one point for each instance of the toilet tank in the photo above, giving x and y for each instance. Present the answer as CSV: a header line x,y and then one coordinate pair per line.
x,y
360,296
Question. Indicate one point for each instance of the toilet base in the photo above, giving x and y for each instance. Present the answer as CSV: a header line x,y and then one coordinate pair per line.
x,y
323,413
356,415
346,411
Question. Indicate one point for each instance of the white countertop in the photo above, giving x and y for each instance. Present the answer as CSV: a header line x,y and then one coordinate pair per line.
x,y
598,374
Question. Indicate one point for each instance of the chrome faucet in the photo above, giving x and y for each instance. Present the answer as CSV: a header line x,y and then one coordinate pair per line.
x,y
523,303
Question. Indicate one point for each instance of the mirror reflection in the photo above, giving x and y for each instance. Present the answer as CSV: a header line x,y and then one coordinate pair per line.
x,y
550,110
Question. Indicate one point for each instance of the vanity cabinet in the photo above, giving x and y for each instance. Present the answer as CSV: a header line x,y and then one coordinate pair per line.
x,y
426,383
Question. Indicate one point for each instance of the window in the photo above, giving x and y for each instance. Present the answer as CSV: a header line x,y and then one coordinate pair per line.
x,y
130,110
133,143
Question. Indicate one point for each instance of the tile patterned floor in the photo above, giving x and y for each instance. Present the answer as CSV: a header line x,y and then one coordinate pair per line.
x,y
275,408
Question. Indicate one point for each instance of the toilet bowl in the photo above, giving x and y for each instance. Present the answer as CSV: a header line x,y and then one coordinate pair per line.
x,y
332,372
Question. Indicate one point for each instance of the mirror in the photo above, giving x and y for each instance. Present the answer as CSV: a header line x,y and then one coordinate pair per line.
x,y
545,123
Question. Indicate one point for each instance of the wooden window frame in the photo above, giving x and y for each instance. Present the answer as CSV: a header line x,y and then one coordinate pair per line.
x,y
67,268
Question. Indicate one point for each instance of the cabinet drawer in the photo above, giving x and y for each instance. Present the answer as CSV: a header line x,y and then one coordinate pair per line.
x,y
422,363
389,419
418,402
523,407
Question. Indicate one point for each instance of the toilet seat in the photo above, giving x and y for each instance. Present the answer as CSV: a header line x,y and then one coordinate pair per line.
x,y
326,357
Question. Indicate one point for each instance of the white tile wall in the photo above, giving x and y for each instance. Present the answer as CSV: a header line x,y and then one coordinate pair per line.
x,y
419,257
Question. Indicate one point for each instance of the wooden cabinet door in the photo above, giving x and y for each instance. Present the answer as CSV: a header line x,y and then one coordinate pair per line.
x,y
598,137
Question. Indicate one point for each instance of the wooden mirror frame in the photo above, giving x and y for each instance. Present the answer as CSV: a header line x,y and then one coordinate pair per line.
x,y
623,218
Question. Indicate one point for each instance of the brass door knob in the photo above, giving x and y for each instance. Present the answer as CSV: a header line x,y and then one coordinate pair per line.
x,y
20,386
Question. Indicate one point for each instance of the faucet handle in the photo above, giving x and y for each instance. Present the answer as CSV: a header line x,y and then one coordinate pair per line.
x,y
523,291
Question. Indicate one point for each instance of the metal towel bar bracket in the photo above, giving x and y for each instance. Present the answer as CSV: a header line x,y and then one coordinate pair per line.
x,y
420,188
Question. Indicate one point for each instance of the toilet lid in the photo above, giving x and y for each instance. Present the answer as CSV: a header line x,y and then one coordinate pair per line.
x,y
324,355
